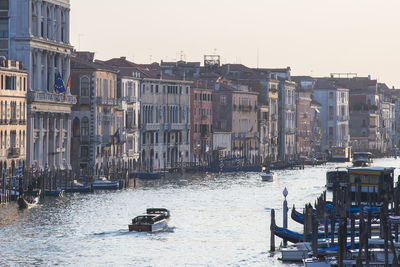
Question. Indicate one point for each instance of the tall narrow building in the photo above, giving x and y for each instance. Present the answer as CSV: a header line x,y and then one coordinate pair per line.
x,y
39,37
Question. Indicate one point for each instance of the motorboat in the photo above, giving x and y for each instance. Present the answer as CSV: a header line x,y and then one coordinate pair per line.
x,y
58,192
77,187
362,159
104,184
154,220
268,176
297,252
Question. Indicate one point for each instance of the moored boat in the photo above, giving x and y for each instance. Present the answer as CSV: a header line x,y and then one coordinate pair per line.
x,y
297,252
154,220
54,193
104,184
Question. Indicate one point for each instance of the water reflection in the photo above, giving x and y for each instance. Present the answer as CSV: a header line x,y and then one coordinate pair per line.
x,y
216,220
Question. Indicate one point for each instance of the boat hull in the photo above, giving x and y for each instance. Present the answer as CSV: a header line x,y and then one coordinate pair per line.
x,y
156,227
24,204
268,177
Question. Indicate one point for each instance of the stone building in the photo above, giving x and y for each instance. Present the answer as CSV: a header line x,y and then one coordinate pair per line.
x,y
129,80
235,111
334,101
97,117
165,122
13,89
38,35
201,124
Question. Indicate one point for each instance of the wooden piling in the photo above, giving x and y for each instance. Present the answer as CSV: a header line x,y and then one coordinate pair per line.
x,y
272,228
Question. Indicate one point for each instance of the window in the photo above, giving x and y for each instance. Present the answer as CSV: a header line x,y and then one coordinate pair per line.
x,y
84,151
3,4
222,100
85,126
85,86
3,27
331,95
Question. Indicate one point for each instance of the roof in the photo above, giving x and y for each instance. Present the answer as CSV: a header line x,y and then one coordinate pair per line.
x,y
372,169
86,62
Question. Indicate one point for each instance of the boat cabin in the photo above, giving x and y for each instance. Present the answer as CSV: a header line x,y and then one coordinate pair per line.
x,y
340,154
361,159
369,184
340,176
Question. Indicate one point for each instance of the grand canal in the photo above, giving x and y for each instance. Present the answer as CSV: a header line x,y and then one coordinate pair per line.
x,y
216,220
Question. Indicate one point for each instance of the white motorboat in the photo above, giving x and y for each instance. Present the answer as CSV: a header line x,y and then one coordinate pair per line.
x,y
297,252
314,262
268,176
155,220
104,184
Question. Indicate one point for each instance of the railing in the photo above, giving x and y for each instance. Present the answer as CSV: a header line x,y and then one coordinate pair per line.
x,y
43,96
107,101
151,126
131,99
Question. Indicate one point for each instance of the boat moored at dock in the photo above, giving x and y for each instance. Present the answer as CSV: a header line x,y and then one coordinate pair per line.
x,y
362,159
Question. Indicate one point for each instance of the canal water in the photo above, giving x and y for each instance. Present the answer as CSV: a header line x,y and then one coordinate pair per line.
x,y
216,220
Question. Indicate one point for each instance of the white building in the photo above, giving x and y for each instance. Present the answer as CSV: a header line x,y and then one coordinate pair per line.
x,y
165,123
39,37
334,113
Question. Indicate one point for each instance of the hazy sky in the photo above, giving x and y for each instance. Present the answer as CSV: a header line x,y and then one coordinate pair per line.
x,y
313,37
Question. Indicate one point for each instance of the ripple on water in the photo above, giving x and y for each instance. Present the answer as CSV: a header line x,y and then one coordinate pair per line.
x,y
216,220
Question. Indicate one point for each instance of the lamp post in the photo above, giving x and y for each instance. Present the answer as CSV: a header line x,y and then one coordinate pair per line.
x,y
285,214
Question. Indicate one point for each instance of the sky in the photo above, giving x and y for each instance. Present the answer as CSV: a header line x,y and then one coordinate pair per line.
x,y
313,37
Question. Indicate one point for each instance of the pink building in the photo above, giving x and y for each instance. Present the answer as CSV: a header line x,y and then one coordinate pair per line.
x,y
201,124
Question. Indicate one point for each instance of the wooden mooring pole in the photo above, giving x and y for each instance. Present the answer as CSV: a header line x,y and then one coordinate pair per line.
x,y
272,228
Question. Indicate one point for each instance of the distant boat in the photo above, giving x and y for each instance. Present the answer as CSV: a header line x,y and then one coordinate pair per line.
x,y
268,176
362,159
28,200
104,184
54,193
154,220
149,175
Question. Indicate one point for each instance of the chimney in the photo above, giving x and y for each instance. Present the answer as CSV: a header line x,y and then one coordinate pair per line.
x,y
124,58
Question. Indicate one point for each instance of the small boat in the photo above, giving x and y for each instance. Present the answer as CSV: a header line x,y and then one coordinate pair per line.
x,y
336,176
54,193
76,187
268,176
297,252
149,175
154,220
104,184
314,262
362,159
28,200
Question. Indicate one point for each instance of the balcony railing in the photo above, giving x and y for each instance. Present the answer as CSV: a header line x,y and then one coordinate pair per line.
x,y
44,96
13,152
131,99
107,101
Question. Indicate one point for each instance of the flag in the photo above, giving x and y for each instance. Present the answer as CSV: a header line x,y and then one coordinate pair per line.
x,y
68,88
59,85
115,137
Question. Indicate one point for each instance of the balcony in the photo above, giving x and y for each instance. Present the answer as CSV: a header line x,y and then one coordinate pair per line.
x,y
132,153
107,101
131,99
13,152
13,121
132,128
151,126
48,97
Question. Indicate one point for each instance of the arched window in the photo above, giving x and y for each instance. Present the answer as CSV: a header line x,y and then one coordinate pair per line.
x,y
85,86
76,127
85,126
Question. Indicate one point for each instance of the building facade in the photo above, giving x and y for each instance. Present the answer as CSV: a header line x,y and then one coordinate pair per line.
x,y
334,102
201,117
165,123
97,117
13,104
39,37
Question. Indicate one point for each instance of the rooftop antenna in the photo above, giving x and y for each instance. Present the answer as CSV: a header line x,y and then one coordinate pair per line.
x,y
181,55
257,57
